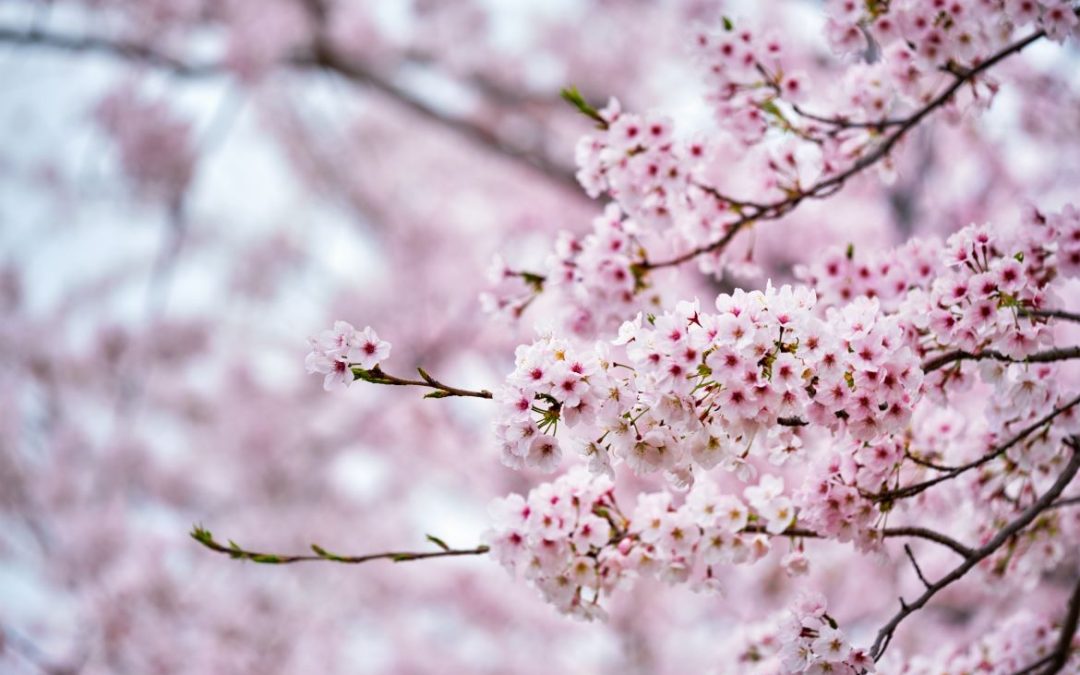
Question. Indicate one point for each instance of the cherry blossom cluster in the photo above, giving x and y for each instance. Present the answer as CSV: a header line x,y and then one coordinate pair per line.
x,y
570,539
746,72
832,501
660,181
802,639
975,293
693,388
551,382
937,31
335,352
635,160
914,38
561,538
596,278
842,274
691,543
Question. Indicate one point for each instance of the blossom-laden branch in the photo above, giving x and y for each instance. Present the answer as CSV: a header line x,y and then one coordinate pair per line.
x,y
344,355
885,634
236,552
997,451
828,186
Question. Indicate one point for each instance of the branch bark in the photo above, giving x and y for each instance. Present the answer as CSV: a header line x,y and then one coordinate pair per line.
x,y
884,636
233,550
321,57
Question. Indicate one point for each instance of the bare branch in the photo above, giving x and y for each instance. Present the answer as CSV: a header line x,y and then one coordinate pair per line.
x,y
1049,356
321,57
234,551
887,533
912,490
126,50
377,376
884,635
915,564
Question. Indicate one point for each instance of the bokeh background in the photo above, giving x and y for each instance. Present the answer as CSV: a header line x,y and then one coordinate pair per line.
x,y
189,189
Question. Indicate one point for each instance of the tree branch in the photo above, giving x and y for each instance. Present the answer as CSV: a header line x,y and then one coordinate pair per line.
x,y
827,186
1049,356
915,564
884,636
1052,314
886,533
377,376
321,57
233,550
120,49
912,490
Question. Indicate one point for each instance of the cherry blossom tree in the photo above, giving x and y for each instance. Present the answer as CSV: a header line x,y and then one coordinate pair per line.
x,y
749,331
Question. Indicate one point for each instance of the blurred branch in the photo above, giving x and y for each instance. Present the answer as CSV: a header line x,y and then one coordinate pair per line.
x,y
236,552
329,59
126,50
322,56
1052,314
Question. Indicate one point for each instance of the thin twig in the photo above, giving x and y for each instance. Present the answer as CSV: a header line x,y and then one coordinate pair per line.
x,y
236,552
377,376
886,533
915,564
912,490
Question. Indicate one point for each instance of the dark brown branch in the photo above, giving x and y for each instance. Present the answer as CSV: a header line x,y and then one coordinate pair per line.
x,y
884,635
915,564
912,490
887,533
1052,314
1068,501
377,376
234,551
1051,355
928,464
827,186
841,122
929,535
